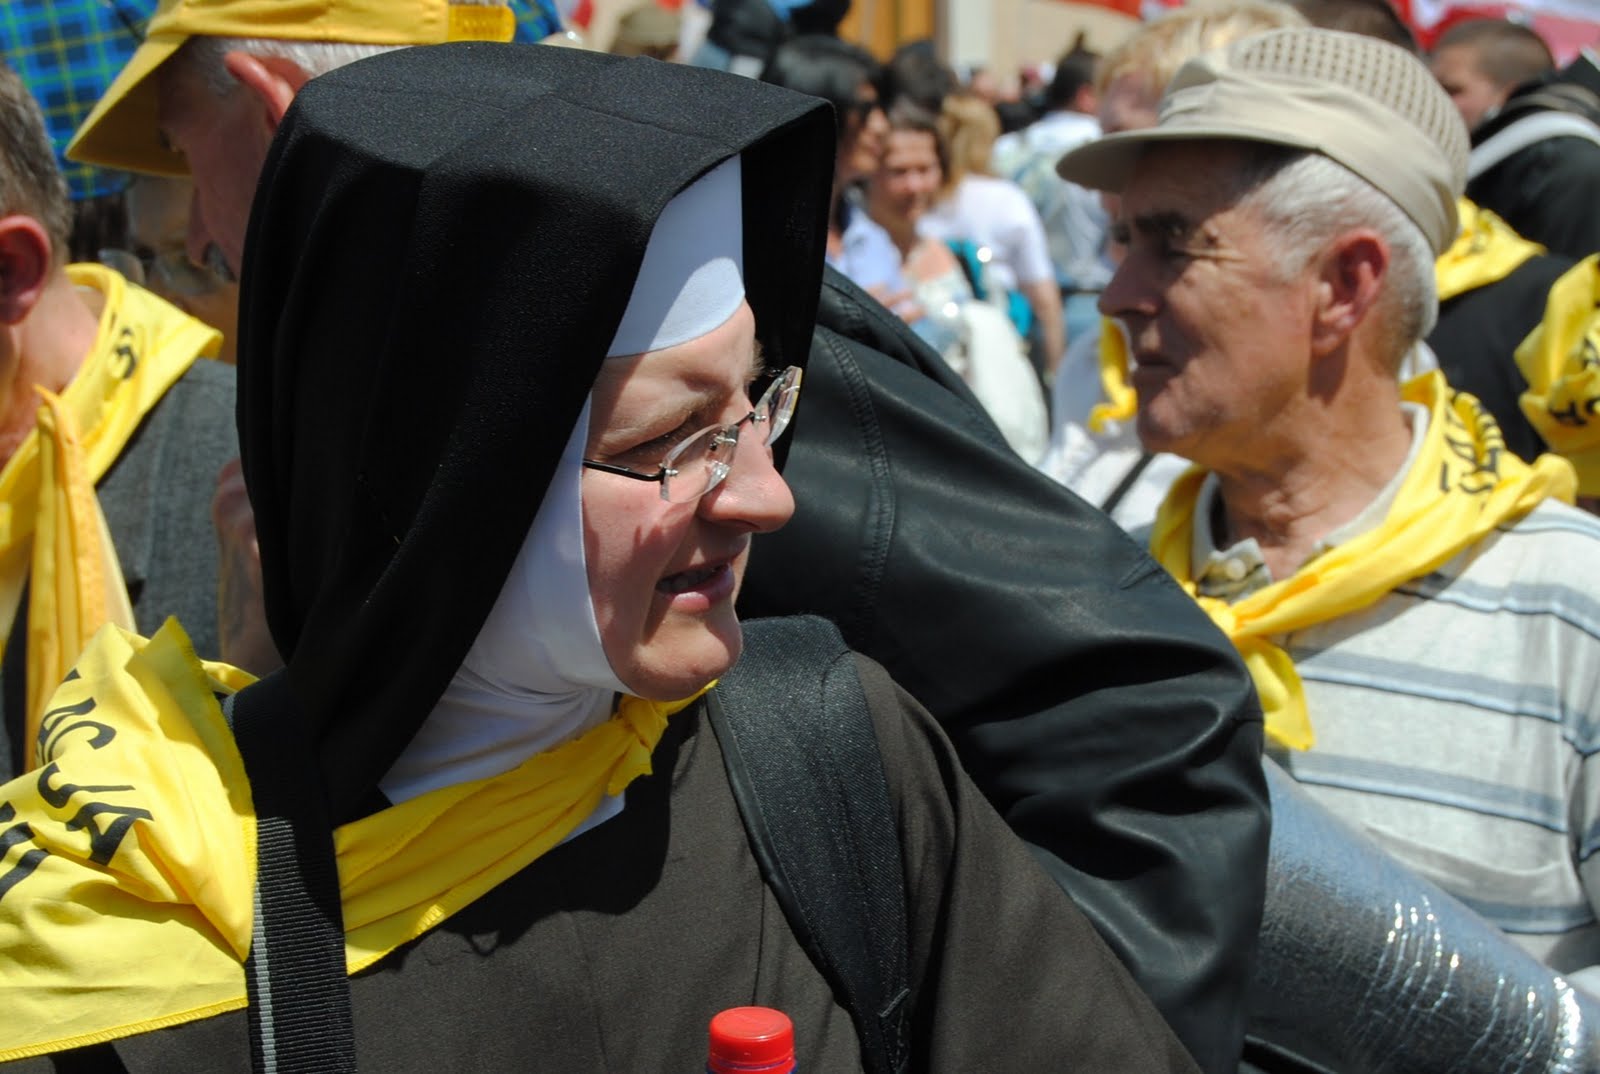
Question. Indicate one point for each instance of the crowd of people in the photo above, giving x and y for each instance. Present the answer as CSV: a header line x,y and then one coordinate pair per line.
x,y
780,530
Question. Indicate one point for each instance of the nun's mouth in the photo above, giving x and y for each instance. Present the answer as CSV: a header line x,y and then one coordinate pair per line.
x,y
685,581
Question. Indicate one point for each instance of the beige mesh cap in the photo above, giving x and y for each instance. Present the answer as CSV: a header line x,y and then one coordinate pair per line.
x,y
1369,105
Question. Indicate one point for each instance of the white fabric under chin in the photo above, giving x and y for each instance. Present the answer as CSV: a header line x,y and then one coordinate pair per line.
x,y
537,674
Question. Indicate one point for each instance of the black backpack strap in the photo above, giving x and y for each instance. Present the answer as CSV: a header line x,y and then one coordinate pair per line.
x,y
806,771
299,992
1129,479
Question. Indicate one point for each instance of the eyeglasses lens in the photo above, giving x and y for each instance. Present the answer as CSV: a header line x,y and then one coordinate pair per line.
x,y
699,464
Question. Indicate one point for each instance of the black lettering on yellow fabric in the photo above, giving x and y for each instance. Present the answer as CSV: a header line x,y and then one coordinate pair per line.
x,y
103,842
1567,416
125,353
1476,467
53,727
59,796
16,835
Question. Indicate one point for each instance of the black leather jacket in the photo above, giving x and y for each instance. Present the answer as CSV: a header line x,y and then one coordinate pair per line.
x,y
1093,702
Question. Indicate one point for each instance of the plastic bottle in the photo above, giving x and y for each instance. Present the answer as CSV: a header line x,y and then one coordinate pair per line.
x,y
751,1040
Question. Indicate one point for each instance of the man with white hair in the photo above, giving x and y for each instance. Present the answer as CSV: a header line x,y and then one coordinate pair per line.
x,y
1399,584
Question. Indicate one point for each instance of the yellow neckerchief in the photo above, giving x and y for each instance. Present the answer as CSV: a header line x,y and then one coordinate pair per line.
x,y
52,533
141,918
1462,485
1122,401
1485,250
1560,360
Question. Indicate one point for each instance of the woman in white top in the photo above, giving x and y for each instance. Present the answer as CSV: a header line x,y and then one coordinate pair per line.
x,y
995,213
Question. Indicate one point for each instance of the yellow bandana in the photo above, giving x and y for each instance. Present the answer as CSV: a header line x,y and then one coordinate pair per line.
x,y
1561,361
1462,485
127,863
51,530
1122,401
1485,250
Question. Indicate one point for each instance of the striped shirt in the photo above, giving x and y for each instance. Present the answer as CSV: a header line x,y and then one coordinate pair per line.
x,y
1457,722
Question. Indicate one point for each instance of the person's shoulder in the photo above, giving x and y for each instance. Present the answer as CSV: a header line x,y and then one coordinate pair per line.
x,y
204,396
1553,522
1060,131
208,374
1539,552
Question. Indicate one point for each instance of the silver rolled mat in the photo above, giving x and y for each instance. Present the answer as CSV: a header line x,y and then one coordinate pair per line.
x,y
1365,967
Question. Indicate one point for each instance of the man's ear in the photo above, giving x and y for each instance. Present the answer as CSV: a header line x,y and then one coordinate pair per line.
x,y
25,264
1354,269
273,80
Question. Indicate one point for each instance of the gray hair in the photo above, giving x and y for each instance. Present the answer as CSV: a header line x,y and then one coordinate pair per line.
x,y
1308,198
204,55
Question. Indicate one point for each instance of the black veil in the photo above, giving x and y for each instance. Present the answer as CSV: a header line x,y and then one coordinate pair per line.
x,y
443,243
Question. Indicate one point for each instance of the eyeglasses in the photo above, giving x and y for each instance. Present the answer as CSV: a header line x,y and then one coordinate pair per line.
x,y
699,464
169,271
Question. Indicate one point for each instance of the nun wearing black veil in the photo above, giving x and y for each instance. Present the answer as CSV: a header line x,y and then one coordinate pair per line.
x,y
521,329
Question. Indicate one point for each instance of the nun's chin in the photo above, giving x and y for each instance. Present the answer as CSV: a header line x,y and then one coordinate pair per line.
x,y
682,654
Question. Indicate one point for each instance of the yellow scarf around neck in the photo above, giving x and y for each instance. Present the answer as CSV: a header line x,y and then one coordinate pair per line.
x,y
1560,360
1122,402
1485,250
1463,484
128,867
53,537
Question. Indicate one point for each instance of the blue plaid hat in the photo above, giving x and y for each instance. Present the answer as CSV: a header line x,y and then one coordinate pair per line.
x,y
67,52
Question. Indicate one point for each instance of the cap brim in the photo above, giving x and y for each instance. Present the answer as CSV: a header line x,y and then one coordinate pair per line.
x,y
1107,163
124,130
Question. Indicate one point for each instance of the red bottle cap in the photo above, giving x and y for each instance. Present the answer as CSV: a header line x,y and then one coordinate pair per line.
x,y
748,1039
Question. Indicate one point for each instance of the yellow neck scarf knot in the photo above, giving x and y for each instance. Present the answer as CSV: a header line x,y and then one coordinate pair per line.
x,y
1463,484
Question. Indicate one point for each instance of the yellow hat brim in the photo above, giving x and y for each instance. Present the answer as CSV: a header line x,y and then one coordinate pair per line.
x,y
124,130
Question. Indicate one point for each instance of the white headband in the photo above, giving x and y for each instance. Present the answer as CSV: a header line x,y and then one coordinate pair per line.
x,y
692,277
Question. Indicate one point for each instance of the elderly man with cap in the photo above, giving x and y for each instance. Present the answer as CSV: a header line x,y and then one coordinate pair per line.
x,y
1400,585
1110,723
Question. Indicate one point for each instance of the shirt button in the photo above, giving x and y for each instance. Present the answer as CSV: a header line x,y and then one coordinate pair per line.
x,y
1235,570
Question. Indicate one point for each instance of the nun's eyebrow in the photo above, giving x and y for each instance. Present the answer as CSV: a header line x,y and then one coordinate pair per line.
x,y
758,362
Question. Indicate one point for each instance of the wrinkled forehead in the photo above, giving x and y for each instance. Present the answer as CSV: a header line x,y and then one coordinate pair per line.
x,y
1198,178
